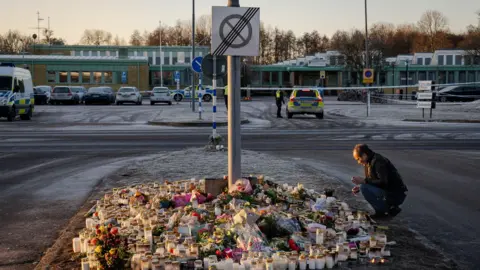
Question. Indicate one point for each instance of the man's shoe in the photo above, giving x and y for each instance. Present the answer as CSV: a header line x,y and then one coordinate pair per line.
x,y
394,211
279,116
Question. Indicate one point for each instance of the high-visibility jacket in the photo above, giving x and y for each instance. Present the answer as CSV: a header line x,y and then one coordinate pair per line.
x,y
279,97
226,90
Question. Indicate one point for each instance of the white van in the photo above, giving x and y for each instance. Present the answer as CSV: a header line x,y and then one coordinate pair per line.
x,y
16,93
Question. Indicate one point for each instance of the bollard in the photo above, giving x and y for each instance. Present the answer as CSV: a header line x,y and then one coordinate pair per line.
x,y
200,107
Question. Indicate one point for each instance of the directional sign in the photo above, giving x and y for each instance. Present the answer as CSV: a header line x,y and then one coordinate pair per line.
x,y
207,66
424,104
235,31
177,76
367,76
124,77
425,96
424,85
197,64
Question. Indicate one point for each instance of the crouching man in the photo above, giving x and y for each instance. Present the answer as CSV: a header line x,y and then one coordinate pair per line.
x,y
382,186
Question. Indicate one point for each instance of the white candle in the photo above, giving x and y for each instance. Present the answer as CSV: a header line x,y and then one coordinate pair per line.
x,y
319,237
85,264
303,264
228,265
329,262
292,265
218,211
77,245
320,262
311,262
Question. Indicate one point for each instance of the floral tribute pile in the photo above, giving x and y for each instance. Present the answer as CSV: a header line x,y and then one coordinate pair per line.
x,y
258,225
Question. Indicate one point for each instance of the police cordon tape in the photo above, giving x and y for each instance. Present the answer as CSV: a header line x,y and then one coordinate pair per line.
x,y
353,87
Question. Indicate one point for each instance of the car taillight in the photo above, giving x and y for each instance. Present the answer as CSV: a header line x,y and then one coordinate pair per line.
x,y
319,99
293,99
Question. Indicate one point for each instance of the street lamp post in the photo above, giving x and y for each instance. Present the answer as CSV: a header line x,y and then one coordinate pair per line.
x,y
161,58
406,79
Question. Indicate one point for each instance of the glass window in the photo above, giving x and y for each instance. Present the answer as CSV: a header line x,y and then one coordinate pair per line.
x,y
187,59
5,83
74,77
150,60
462,77
51,76
174,61
428,61
419,61
61,90
458,60
63,77
102,53
126,90
441,60
22,86
449,60
86,77
471,76
432,75
265,78
306,93
97,77
108,77
274,77
468,60
451,77
422,75
157,60
442,77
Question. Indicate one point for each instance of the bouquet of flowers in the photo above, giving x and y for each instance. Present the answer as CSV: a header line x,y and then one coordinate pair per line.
x,y
111,248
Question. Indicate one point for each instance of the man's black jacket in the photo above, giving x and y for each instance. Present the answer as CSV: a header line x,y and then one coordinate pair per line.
x,y
381,173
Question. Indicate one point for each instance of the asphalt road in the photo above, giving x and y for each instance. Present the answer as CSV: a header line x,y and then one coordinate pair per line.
x,y
40,168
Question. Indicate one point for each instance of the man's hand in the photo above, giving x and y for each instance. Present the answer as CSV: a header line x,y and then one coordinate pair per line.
x,y
358,180
355,190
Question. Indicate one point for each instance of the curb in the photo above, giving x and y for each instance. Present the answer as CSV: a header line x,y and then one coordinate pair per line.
x,y
192,124
442,120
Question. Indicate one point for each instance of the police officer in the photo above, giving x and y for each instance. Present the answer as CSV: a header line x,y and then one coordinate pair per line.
x,y
225,96
279,100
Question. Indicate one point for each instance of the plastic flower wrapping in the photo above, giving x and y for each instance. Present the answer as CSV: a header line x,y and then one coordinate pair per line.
x,y
180,225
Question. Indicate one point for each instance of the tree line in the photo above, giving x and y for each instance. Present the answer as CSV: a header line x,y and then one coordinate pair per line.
x,y
430,33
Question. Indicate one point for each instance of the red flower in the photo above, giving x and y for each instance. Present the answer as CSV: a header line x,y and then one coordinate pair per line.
x,y
293,245
97,226
218,252
114,231
95,214
195,214
94,241
99,232
110,225
171,250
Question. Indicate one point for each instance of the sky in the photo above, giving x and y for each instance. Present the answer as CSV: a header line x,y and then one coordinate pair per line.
x,y
70,18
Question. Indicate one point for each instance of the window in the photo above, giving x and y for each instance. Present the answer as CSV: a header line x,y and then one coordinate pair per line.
x,y
5,83
174,60
442,77
63,77
306,93
449,60
468,60
166,60
432,75
108,77
97,77
462,77
458,60
471,76
157,60
265,78
22,86
422,75
428,60
441,60
86,77
419,61
61,90
51,76
187,60
150,60
451,77
274,77
74,77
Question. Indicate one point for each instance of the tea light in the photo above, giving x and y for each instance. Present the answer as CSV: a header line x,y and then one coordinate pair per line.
x,y
89,223
311,262
353,254
329,261
77,245
302,263
319,238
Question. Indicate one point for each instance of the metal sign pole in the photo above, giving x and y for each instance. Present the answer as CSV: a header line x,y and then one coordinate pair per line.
x,y
234,136
368,102
199,107
214,82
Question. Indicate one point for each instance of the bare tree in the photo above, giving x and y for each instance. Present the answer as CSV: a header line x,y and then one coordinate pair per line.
x,y
96,37
13,42
471,44
117,41
433,24
203,29
50,39
136,39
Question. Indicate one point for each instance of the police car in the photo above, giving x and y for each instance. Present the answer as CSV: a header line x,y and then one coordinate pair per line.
x,y
306,101
16,93
206,92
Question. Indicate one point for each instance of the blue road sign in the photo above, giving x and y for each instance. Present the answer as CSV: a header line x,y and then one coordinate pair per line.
x,y
177,76
368,74
197,64
124,77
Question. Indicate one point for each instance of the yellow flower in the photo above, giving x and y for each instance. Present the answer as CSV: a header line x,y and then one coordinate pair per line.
x,y
102,228
113,251
98,249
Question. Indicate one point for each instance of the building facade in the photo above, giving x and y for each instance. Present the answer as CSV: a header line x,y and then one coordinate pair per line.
x,y
143,65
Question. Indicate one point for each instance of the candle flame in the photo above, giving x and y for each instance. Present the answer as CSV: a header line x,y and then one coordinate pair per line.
x,y
373,260
382,260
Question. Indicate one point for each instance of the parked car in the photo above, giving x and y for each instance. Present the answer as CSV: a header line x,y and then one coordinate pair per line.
x,y
100,95
64,95
460,93
129,95
80,91
161,95
305,101
47,90
40,96
205,90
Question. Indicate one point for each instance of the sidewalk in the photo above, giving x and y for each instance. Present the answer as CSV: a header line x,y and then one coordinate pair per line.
x,y
181,115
